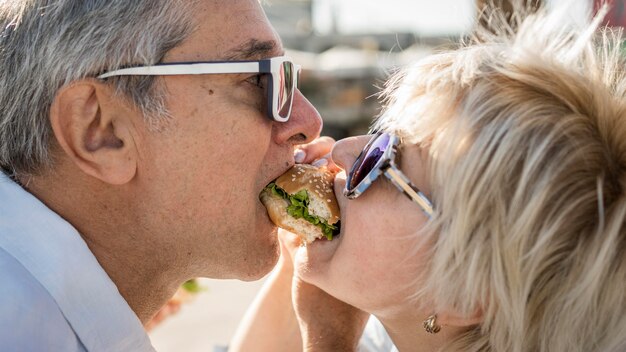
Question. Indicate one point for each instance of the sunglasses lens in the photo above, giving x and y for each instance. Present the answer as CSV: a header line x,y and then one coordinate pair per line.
x,y
370,156
285,89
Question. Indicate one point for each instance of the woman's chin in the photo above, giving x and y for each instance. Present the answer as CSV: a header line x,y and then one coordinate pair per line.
x,y
314,258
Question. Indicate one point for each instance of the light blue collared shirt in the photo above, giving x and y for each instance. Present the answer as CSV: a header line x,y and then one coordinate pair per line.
x,y
54,295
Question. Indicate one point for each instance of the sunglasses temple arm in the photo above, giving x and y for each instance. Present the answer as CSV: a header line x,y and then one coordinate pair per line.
x,y
411,191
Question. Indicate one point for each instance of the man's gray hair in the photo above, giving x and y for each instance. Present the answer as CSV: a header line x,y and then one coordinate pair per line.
x,y
46,44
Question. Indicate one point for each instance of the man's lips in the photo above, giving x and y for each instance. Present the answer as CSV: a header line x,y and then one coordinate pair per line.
x,y
289,166
274,177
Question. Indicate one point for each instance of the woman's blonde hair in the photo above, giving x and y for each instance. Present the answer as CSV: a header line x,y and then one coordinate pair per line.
x,y
526,130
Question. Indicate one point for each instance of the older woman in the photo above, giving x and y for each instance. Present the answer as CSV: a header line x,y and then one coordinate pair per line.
x,y
508,230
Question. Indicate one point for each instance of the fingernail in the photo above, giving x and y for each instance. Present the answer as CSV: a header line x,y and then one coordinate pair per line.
x,y
320,162
299,156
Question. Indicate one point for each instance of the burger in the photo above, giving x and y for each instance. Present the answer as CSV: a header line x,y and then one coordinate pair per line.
x,y
303,201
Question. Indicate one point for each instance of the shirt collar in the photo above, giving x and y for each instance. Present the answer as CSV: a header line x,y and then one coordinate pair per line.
x,y
53,251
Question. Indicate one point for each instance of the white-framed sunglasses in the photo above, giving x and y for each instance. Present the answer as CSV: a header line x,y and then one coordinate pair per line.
x,y
379,157
284,76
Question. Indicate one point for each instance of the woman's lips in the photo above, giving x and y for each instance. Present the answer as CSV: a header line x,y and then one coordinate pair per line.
x,y
338,186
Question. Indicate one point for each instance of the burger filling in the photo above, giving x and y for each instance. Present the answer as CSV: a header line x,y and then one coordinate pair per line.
x,y
299,208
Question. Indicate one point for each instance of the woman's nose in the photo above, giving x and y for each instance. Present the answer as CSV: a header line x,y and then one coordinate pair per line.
x,y
346,151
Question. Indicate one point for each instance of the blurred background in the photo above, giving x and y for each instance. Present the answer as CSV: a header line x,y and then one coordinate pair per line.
x,y
347,49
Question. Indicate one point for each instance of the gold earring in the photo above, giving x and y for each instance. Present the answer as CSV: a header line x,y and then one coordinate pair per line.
x,y
430,324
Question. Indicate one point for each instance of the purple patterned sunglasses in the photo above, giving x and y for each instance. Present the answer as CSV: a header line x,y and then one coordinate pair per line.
x,y
379,157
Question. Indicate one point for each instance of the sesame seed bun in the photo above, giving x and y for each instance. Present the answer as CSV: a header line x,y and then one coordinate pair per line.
x,y
318,183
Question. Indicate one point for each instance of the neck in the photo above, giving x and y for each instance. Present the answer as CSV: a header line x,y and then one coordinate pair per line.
x,y
119,242
142,280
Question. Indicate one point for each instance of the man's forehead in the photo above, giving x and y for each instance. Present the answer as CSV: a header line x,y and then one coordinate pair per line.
x,y
254,49
229,30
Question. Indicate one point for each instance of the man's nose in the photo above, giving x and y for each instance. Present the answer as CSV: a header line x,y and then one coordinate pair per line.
x,y
304,124
346,151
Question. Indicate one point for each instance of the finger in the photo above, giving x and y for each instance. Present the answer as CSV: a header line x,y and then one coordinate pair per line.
x,y
326,161
310,152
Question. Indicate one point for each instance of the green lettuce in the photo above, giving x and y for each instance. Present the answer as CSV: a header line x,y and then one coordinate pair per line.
x,y
299,208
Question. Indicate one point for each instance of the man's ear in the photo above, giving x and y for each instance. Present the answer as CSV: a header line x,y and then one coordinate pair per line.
x,y
94,129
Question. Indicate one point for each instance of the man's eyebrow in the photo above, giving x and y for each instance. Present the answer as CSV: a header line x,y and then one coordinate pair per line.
x,y
253,50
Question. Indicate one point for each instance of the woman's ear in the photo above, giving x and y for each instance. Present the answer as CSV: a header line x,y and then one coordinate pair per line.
x,y
93,126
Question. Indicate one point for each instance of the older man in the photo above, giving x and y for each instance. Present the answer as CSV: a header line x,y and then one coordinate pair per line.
x,y
135,137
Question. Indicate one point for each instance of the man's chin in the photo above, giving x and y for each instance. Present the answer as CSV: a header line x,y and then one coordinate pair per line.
x,y
263,254
263,264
